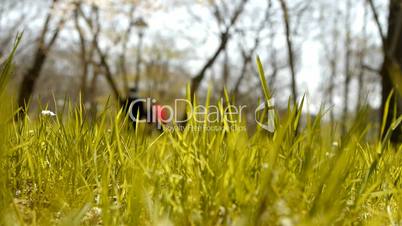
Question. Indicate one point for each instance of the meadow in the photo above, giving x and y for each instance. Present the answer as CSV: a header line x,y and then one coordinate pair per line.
x,y
68,170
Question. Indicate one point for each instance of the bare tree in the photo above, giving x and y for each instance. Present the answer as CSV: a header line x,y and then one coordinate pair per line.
x,y
391,67
247,55
347,71
126,38
93,23
83,53
43,47
286,21
225,70
332,58
361,56
225,34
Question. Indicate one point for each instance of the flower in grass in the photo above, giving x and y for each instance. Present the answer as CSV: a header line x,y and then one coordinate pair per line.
x,y
48,113
329,154
265,165
96,211
286,221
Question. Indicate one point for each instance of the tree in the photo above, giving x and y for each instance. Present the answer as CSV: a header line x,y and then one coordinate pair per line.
x,y
224,36
83,53
93,23
248,54
289,44
123,54
348,59
362,55
331,54
391,68
43,47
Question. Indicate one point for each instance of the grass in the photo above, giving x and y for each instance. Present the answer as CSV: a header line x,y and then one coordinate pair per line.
x,y
66,170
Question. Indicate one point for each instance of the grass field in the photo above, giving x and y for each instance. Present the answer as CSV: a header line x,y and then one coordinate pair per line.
x,y
65,170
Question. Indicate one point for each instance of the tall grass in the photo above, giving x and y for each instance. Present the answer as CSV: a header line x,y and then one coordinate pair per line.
x,y
65,170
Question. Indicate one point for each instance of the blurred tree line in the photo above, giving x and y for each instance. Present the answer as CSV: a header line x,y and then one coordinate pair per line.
x,y
98,48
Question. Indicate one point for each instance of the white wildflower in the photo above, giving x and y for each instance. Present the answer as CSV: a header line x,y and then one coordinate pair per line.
x,y
335,144
282,207
189,181
164,222
222,211
265,165
48,113
286,221
96,211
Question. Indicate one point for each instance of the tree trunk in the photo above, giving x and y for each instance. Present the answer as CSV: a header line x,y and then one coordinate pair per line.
x,y
92,93
225,71
392,56
289,48
348,76
333,60
224,38
43,48
362,55
30,78
108,73
83,56
196,81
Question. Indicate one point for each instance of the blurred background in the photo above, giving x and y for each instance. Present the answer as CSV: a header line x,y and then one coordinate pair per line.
x,y
332,51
